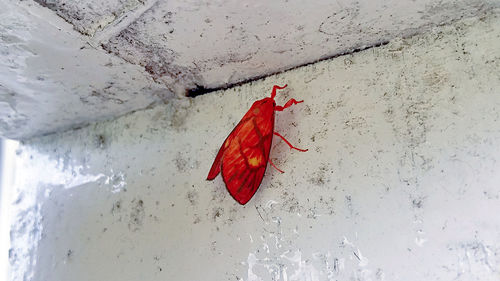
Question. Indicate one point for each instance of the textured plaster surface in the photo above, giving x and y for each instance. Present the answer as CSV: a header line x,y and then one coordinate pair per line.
x,y
51,78
101,59
210,44
89,16
400,181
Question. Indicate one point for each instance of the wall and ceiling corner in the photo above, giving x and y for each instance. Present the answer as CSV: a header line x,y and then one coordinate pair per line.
x,y
400,181
69,63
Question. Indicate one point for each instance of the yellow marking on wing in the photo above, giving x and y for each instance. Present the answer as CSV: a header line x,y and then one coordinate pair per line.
x,y
255,161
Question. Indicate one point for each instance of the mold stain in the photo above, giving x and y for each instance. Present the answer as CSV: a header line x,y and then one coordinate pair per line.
x,y
157,61
117,206
181,163
137,215
192,197
101,141
320,177
217,212
330,26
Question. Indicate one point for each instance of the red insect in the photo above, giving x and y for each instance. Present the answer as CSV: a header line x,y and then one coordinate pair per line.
x,y
244,154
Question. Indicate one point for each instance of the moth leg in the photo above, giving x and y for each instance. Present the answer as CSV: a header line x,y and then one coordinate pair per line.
x,y
288,104
276,87
289,144
272,164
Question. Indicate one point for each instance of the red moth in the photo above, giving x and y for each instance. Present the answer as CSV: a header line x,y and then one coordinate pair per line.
x,y
244,154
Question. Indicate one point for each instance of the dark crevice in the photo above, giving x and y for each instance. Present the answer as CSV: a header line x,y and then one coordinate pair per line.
x,y
201,90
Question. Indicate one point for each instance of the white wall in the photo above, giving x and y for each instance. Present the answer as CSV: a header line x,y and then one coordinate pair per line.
x,y
400,181
7,169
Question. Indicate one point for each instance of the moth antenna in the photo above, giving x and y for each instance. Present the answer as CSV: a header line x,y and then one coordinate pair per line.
x,y
276,87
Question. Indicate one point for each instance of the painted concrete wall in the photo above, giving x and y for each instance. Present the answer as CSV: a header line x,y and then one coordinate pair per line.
x,y
53,78
66,63
401,180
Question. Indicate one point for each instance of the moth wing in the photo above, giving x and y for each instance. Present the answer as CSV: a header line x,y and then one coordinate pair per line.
x,y
245,157
215,169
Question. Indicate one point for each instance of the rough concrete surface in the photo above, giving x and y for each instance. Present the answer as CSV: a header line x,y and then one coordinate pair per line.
x,y
116,56
211,44
90,16
52,79
400,181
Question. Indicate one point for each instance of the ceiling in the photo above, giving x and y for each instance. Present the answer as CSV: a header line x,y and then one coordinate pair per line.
x,y
67,63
